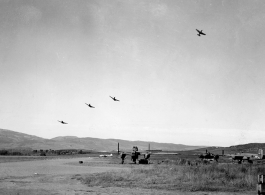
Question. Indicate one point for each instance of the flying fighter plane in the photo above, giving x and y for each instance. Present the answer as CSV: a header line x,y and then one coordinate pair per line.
x,y
62,122
200,32
89,105
114,98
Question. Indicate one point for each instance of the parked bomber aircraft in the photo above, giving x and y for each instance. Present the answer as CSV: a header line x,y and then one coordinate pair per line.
x,y
240,157
146,155
200,32
209,156
135,155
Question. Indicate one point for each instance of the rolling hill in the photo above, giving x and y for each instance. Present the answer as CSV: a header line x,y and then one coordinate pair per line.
x,y
14,140
243,148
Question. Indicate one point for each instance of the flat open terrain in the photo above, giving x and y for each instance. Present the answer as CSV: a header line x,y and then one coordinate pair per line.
x,y
60,176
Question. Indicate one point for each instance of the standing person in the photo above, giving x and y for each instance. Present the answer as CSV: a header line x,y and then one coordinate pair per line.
x,y
122,157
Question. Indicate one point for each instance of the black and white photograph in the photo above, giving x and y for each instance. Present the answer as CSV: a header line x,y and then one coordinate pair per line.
x,y
127,97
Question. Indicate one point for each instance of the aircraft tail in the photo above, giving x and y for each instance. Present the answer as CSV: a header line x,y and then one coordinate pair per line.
x,y
260,154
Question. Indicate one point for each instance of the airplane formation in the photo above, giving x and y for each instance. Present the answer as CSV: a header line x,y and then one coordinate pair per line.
x,y
114,99
89,105
208,156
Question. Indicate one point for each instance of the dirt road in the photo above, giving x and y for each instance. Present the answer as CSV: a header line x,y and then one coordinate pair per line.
x,y
54,177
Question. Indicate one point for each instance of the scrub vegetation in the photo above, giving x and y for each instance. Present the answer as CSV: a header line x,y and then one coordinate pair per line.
x,y
211,177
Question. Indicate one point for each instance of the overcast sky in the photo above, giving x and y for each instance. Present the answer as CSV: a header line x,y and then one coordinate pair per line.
x,y
173,85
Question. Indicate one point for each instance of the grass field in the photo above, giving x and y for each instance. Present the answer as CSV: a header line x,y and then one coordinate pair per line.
x,y
176,175
166,173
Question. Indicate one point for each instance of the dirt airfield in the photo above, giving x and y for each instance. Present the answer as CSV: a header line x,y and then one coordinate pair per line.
x,y
57,176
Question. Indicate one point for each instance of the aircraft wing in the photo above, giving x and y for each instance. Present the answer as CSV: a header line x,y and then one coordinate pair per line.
x,y
164,153
202,33
129,153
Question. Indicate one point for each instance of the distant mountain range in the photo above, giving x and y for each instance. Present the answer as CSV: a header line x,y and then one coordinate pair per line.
x,y
15,140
